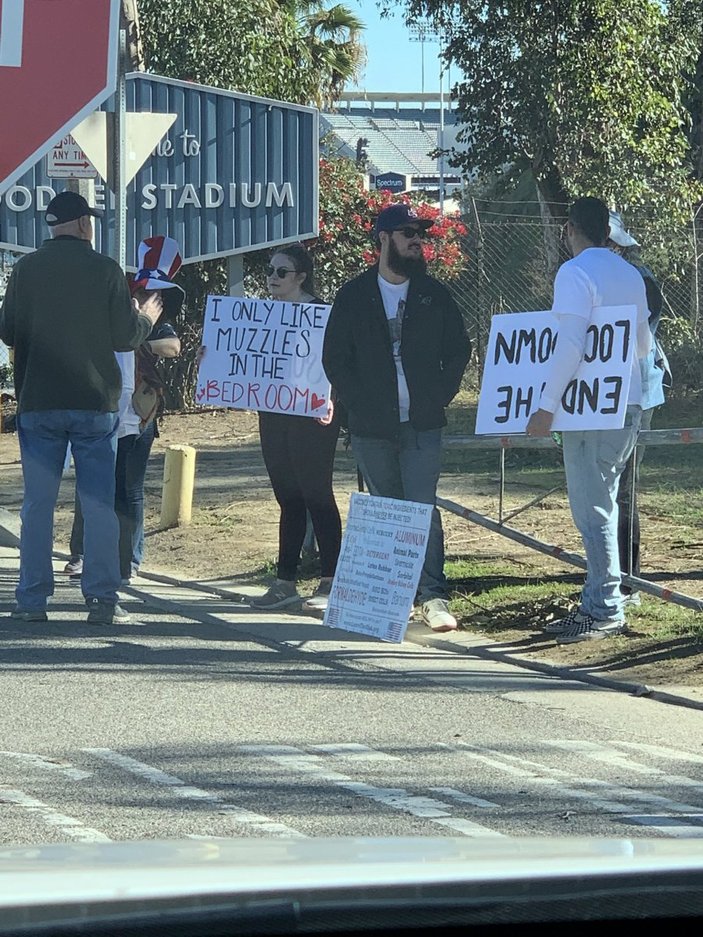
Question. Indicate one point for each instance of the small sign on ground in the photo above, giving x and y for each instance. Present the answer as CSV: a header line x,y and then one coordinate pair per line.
x,y
379,566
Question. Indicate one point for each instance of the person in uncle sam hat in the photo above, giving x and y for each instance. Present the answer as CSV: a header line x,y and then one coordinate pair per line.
x,y
654,371
141,403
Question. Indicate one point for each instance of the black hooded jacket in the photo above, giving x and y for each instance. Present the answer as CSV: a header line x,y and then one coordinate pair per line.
x,y
358,356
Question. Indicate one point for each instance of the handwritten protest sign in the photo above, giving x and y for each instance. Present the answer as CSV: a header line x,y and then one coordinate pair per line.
x,y
379,566
264,355
520,348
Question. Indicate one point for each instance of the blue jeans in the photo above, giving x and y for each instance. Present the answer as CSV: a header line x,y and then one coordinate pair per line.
x,y
594,461
408,469
130,472
44,436
136,475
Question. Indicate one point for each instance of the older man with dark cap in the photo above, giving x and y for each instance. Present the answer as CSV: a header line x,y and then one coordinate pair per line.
x,y
66,311
395,352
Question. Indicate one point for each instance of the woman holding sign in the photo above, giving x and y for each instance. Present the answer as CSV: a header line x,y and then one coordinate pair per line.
x,y
299,455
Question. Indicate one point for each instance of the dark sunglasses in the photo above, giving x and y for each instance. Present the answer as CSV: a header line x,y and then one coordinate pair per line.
x,y
411,233
280,272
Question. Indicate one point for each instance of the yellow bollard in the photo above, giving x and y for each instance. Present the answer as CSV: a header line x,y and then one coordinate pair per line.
x,y
177,493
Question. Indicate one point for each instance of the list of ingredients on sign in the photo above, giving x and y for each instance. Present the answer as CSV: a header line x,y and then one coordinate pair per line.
x,y
383,551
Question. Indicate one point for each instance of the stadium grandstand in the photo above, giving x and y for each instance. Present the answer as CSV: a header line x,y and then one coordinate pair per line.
x,y
394,137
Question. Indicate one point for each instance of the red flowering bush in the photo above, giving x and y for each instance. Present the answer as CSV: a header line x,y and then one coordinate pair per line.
x,y
345,246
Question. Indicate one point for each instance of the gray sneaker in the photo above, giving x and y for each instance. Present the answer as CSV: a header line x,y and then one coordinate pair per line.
x,y
102,613
278,595
29,614
435,613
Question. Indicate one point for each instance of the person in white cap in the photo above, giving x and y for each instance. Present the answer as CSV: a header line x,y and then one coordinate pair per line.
x,y
653,370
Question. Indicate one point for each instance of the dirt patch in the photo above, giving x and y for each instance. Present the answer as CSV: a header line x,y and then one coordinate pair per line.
x,y
234,535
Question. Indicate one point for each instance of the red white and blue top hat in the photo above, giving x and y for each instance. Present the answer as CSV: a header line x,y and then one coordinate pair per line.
x,y
158,261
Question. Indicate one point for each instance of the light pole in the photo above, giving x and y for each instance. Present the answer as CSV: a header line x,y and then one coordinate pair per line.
x,y
421,32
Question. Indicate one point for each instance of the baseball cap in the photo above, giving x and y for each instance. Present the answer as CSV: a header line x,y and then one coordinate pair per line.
x,y
395,216
618,232
68,206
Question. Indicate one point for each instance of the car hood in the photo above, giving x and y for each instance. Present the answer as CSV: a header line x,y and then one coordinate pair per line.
x,y
145,870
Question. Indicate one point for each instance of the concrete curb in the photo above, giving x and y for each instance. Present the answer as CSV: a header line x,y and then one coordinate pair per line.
x,y
483,650
565,673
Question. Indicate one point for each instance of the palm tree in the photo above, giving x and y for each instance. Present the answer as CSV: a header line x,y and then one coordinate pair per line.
x,y
331,39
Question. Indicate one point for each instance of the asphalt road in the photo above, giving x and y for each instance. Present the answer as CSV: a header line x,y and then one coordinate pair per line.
x,y
204,718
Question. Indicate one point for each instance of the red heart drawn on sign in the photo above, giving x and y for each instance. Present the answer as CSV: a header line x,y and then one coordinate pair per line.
x,y
201,393
317,402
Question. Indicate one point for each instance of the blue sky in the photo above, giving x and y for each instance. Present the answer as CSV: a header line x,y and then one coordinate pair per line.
x,y
394,61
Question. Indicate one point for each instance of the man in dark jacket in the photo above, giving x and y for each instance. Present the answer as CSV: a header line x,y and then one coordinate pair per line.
x,y
66,311
395,351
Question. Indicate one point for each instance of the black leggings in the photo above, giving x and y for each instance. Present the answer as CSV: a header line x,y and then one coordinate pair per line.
x,y
299,456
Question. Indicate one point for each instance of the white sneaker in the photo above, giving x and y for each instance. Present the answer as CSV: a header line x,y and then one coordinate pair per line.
x,y
631,599
319,600
435,613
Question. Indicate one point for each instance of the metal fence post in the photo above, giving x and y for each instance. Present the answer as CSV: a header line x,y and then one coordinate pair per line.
x,y
695,284
481,334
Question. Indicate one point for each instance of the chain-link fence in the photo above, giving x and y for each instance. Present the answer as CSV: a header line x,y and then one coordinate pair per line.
x,y
512,260
512,257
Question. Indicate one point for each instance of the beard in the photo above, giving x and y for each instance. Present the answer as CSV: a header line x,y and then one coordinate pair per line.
x,y
404,266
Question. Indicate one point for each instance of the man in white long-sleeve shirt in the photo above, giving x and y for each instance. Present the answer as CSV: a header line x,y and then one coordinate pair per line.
x,y
593,459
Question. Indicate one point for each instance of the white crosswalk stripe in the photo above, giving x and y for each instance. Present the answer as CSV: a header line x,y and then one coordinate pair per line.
x,y
598,793
661,751
72,827
49,764
188,792
428,808
610,756
590,781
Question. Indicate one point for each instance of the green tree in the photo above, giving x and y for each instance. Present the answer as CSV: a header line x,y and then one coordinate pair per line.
x,y
301,52
588,95
293,50
345,246
686,18
332,42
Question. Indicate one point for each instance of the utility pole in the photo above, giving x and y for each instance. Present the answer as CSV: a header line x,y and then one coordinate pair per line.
x,y
130,22
423,32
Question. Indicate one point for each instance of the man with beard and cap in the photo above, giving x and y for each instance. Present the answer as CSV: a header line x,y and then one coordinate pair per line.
x,y
395,352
